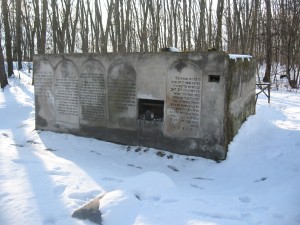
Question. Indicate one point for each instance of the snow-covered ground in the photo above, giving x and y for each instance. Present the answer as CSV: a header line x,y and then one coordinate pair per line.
x,y
45,176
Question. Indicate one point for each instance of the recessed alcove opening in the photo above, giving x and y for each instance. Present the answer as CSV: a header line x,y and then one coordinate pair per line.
x,y
151,110
214,78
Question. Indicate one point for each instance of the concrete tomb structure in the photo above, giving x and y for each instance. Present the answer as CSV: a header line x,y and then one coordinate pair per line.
x,y
186,103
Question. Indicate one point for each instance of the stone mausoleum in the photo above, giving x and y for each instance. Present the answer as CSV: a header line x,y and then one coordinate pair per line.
x,y
186,103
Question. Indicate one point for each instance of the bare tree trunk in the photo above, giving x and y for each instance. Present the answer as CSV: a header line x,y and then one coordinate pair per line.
x,y
201,31
65,23
137,26
130,31
246,14
12,18
254,27
268,43
220,8
117,36
181,28
183,33
8,45
189,36
105,34
96,27
54,25
27,34
73,27
44,28
84,23
169,35
122,28
165,37
229,27
209,27
127,26
155,25
144,35
175,11
239,27
19,34
37,24
3,77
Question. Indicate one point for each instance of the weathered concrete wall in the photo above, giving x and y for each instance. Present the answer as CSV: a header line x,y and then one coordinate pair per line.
x,y
240,95
171,101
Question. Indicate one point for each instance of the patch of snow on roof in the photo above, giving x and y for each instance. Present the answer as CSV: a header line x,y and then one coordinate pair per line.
x,y
238,56
173,49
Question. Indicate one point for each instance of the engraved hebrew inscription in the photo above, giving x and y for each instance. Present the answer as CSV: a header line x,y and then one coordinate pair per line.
x,y
183,102
122,96
92,91
66,92
43,79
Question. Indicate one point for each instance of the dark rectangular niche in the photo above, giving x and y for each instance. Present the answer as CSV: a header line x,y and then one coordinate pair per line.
x,y
214,78
151,110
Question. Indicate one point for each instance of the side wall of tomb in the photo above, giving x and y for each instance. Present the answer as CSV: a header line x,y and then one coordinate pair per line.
x,y
240,95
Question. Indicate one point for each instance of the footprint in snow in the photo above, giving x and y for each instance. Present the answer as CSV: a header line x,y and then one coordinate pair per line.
x,y
2,195
245,199
196,186
49,221
278,216
21,161
112,179
173,168
59,189
4,135
131,165
58,172
18,145
32,142
261,179
202,178
170,200
50,150
92,151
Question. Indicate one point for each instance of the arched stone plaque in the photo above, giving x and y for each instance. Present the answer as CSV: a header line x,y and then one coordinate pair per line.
x,y
183,100
92,91
43,89
122,104
66,93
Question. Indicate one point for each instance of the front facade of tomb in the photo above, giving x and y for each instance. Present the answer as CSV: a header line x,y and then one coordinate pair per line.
x,y
186,103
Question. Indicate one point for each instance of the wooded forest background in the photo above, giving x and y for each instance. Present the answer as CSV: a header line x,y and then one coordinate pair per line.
x,y
267,29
